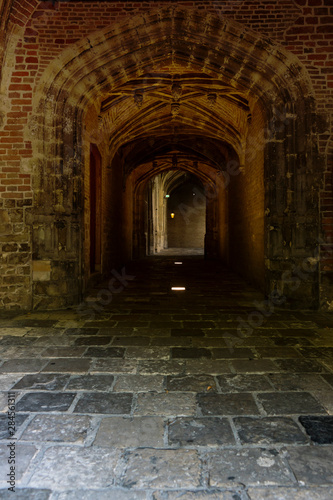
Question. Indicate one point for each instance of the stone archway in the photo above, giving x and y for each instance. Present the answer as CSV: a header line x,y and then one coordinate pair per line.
x,y
252,71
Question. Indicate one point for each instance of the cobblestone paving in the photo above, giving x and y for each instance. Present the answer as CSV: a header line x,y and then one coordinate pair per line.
x,y
150,394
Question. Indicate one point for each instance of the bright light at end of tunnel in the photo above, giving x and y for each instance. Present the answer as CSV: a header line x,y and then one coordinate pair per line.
x,y
177,262
178,288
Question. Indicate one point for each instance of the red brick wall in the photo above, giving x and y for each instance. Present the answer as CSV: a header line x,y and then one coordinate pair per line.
x,y
304,27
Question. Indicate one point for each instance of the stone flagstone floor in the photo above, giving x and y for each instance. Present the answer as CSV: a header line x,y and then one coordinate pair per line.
x,y
149,394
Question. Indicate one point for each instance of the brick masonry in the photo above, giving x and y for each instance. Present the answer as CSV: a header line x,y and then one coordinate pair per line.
x,y
34,34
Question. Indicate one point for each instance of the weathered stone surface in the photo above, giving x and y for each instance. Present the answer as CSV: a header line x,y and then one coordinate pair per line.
x,y
24,453
114,366
196,495
27,494
105,352
243,383
108,494
139,383
90,383
320,429
68,467
43,401
5,431
232,353
269,430
43,381
68,365
190,352
63,352
213,367
166,404
300,366
199,383
250,467
288,493
289,403
132,432
62,428
7,381
23,365
172,367
227,404
254,366
104,403
160,468
147,353
312,465
208,431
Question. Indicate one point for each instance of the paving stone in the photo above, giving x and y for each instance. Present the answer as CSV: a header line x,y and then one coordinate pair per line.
x,y
196,495
131,341
281,493
287,403
208,431
62,428
6,428
43,401
170,341
243,383
24,453
68,365
3,401
43,381
132,432
12,331
169,367
104,403
312,464
299,366
185,383
250,467
7,381
63,352
27,494
277,352
114,366
23,365
329,378
297,332
291,341
227,404
147,353
166,404
68,467
161,468
139,383
320,429
232,353
17,341
57,341
187,332
109,494
254,366
30,322
92,341
90,383
21,352
82,331
191,352
296,381
269,430
213,367
105,352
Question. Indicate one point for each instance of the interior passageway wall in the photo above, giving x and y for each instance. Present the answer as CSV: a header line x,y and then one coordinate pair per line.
x,y
142,79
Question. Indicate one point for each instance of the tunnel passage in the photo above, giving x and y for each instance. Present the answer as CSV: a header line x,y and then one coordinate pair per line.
x,y
226,104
